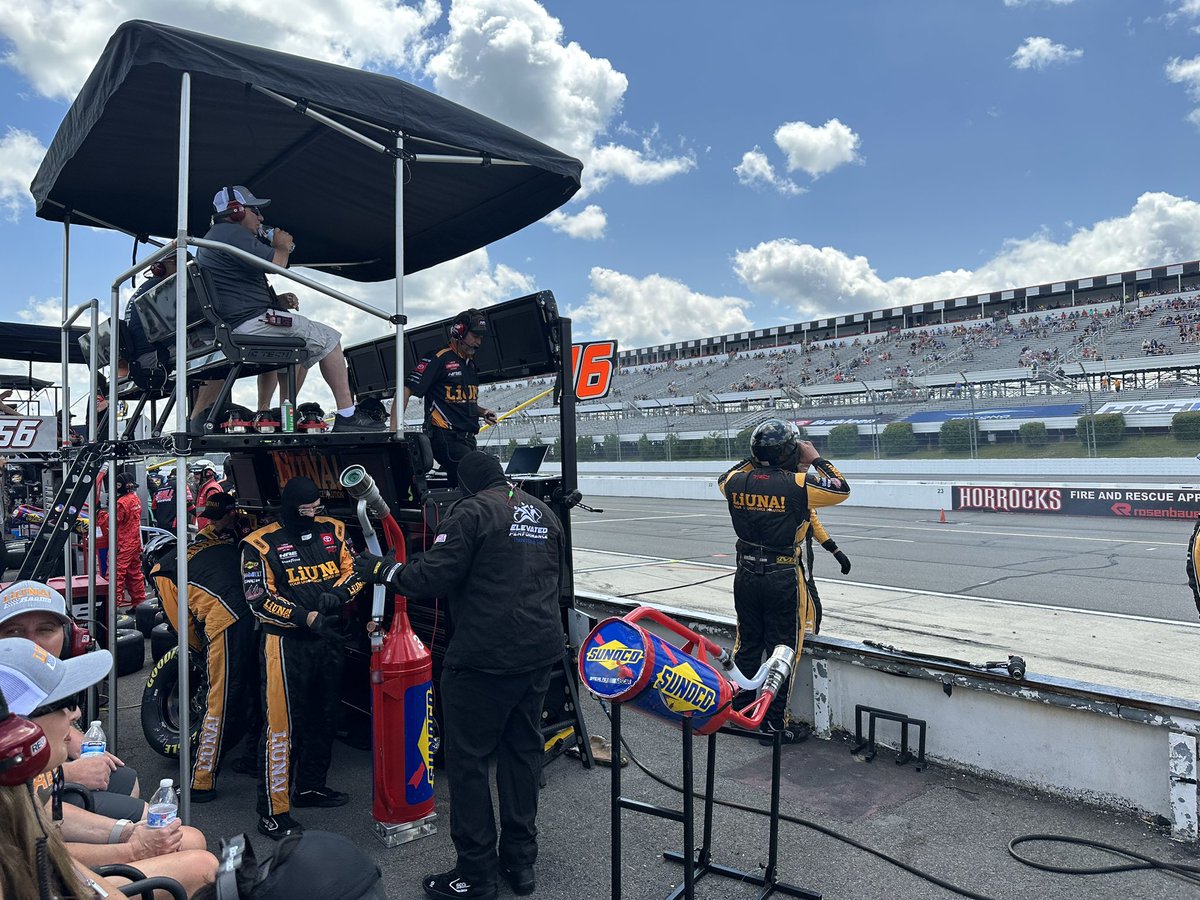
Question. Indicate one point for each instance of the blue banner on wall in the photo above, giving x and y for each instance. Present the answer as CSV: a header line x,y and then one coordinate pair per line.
x,y
1016,412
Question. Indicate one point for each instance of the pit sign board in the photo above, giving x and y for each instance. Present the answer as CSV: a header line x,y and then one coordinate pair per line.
x,y
595,365
28,434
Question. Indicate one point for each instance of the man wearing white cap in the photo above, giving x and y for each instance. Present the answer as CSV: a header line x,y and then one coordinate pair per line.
x,y
246,301
48,691
37,612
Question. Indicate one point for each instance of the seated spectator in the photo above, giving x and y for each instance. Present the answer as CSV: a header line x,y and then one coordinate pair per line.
x,y
249,305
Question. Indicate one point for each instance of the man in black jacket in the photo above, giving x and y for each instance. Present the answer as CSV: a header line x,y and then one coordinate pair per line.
x,y
498,560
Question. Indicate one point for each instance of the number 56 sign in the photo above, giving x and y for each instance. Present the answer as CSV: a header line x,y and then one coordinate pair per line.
x,y
27,434
594,365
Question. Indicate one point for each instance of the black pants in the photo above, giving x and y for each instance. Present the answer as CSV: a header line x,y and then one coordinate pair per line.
x,y
301,680
233,702
449,446
486,713
769,609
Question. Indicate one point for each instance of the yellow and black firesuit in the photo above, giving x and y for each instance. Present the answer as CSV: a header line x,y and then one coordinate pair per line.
x,y
297,573
769,499
818,533
217,609
1192,554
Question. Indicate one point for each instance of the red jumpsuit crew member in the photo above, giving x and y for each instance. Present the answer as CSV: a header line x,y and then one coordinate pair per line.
x,y
217,611
297,573
206,486
498,560
128,539
449,382
769,499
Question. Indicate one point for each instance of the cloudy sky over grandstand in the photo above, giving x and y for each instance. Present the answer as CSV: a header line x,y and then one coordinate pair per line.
x,y
745,164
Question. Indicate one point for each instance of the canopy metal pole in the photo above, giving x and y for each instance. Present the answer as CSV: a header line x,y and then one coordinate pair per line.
x,y
94,531
114,546
398,166
181,416
66,408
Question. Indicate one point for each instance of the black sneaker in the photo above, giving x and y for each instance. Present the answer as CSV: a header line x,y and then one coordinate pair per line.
x,y
452,886
519,878
278,827
357,421
793,733
245,766
200,795
325,797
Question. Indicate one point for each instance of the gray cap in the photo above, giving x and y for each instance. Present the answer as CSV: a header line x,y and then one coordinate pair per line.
x,y
30,677
31,596
241,194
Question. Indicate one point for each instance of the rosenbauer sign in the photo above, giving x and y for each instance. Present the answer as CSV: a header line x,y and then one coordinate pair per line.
x,y
1129,503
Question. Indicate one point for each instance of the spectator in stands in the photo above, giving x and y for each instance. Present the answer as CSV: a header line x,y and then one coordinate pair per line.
x,y
250,306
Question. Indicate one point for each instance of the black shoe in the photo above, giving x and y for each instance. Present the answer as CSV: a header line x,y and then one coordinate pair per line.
x,y
278,827
452,886
794,733
357,421
324,797
245,766
519,878
203,796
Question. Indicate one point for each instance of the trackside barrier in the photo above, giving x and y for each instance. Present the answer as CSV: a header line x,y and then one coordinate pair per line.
x,y
1121,750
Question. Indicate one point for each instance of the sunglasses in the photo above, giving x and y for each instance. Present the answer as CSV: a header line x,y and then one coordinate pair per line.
x,y
71,703
257,211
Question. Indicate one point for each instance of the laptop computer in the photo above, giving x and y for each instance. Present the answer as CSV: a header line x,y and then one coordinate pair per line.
x,y
526,460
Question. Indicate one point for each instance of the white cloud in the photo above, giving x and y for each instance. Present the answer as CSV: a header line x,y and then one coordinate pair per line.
x,y
1040,52
817,149
821,281
654,310
509,60
755,169
20,155
55,44
1187,73
588,224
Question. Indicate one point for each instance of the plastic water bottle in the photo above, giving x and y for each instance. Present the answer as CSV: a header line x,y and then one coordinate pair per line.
x,y
287,414
94,741
164,806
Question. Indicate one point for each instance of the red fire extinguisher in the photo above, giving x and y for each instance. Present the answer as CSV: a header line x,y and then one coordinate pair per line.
x,y
401,694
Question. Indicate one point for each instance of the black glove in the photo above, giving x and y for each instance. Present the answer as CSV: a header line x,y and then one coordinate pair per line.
x,y
328,628
844,560
329,602
377,569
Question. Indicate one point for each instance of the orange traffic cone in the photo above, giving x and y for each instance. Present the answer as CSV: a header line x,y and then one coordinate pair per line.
x,y
942,517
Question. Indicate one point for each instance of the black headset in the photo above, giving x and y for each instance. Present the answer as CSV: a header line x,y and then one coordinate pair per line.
x,y
462,323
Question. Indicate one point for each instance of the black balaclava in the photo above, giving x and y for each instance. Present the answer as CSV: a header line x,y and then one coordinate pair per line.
x,y
296,492
477,471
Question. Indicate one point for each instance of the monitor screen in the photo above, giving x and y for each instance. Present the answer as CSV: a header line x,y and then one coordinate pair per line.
x,y
366,369
518,336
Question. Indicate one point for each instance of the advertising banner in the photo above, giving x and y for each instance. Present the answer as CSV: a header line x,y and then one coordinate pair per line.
x,y
1031,413
1135,503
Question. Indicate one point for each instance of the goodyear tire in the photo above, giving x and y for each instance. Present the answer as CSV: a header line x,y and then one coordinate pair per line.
x,y
146,615
131,651
126,622
160,703
162,639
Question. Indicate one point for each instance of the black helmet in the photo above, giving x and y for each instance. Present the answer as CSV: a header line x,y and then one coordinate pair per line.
x,y
310,417
374,408
236,420
775,442
157,549
268,421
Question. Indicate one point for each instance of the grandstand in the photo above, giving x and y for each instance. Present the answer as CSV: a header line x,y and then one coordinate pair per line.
x,y
1048,352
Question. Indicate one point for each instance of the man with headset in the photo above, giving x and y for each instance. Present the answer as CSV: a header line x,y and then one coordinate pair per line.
x,y
449,382
250,306
770,496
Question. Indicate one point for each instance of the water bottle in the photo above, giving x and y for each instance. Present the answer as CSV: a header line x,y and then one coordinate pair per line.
x,y
164,806
288,415
94,741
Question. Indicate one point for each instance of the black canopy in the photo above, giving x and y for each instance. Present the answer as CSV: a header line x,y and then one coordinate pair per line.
x,y
38,343
115,156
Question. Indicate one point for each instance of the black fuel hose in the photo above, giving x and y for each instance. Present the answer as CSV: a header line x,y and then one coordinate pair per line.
x,y
1188,873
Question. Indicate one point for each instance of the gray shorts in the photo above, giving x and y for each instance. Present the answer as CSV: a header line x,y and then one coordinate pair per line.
x,y
319,339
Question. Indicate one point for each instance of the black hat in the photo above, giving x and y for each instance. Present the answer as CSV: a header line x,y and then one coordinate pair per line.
x,y
477,471
218,506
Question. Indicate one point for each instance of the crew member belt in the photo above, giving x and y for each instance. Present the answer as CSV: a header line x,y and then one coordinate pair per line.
x,y
758,564
298,631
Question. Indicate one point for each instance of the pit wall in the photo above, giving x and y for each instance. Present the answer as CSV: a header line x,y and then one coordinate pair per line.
x,y
1121,750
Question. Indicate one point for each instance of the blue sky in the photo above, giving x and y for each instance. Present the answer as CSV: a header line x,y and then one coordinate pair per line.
x,y
746,164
